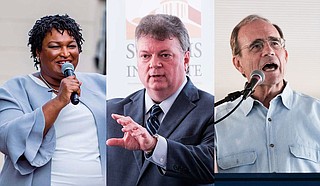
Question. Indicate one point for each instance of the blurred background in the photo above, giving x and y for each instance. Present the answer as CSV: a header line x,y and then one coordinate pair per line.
x,y
18,16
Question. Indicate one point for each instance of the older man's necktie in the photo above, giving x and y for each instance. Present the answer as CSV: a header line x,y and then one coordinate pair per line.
x,y
153,123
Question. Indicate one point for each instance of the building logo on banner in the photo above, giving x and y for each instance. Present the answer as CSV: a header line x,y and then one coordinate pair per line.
x,y
189,15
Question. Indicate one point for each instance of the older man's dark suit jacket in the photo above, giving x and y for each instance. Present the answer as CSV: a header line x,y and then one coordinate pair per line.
x,y
188,128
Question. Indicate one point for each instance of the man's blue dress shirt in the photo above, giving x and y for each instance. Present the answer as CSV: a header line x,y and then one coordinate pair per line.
x,y
283,138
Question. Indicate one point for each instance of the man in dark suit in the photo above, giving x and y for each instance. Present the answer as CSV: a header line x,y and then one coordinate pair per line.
x,y
179,152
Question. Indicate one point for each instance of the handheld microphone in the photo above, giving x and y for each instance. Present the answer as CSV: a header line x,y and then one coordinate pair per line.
x,y
68,70
256,78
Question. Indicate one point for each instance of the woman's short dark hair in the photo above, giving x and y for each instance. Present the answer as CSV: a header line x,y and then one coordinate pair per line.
x,y
44,25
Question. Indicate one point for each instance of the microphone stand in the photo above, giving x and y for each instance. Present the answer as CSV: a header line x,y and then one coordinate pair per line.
x,y
248,90
230,97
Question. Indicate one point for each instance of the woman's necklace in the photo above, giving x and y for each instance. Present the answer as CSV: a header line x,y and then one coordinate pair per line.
x,y
48,85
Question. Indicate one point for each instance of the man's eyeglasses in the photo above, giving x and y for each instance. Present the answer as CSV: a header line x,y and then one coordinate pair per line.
x,y
258,45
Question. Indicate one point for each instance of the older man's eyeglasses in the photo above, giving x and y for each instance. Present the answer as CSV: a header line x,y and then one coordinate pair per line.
x,y
258,45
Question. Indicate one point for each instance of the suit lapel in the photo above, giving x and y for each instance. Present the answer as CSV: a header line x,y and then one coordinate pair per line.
x,y
179,109
135,109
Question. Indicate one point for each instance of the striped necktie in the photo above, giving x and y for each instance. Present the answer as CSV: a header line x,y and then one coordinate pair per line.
x,y
153,123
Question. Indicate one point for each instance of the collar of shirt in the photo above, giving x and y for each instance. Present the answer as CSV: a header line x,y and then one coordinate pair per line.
x,y
166,104
286,98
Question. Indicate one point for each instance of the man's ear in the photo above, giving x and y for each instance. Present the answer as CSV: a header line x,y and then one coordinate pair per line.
x,y
236,63
186,61
287,55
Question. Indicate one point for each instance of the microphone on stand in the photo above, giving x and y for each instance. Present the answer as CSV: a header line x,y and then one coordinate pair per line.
x,y
256,78
68,70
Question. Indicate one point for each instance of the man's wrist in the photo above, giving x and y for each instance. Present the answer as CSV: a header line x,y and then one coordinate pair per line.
x,y
149,152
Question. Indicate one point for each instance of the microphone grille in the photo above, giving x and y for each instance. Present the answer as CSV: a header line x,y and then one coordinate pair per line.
x,y
258,73
67,66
